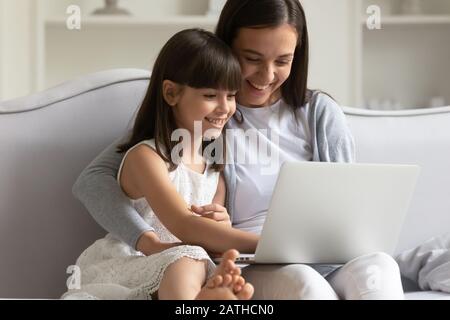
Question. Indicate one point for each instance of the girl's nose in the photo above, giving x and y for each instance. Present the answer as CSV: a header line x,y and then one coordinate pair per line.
x,y
223,105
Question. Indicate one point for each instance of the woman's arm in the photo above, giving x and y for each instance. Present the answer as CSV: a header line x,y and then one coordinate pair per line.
x,y
333,138
145,174
98,190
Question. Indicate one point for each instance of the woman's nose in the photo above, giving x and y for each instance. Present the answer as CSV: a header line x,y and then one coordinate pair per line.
x,y
267,74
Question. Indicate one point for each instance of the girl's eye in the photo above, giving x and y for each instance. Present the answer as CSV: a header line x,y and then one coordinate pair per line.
x,y
231,96
209,96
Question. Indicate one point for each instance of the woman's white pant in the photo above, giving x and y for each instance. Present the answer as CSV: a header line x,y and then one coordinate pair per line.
x,y
370,277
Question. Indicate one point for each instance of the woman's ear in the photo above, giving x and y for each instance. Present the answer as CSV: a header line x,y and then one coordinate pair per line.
x,y
171,92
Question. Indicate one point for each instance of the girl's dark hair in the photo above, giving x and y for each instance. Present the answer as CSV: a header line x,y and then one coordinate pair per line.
x,y
194,58
272,13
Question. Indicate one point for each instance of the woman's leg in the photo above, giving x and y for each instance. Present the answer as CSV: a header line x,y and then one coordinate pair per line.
x,y
288,282
374,276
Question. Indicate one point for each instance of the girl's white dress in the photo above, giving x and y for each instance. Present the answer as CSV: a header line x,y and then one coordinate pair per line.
x,y
110,269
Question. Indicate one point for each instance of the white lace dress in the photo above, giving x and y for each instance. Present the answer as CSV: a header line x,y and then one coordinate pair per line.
x,y
110,269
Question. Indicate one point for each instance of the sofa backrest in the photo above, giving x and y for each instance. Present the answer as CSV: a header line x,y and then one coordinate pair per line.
x,y
420,137
47,139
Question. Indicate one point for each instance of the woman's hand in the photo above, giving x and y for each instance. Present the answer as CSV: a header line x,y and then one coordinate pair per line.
x,y
214,212
149,244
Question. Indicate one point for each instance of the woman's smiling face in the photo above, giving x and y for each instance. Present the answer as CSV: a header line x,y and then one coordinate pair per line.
x,y
265,56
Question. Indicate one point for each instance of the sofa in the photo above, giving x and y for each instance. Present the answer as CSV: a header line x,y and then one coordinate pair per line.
x,y
48,138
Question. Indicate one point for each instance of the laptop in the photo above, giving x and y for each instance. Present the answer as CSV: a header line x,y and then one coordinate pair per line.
x,y
330,213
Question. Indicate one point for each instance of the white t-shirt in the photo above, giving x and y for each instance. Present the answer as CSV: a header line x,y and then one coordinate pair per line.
x,y
285,138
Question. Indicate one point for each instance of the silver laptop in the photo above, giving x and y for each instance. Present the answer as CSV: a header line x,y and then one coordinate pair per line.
x,y
330,213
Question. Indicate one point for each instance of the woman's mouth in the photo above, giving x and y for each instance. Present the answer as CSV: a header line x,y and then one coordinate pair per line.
x,y
259,89
258,86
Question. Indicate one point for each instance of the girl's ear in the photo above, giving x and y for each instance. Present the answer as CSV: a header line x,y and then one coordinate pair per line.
x,y
171,92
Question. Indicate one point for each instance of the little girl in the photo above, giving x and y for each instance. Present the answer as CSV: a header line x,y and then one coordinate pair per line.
x,y
193,85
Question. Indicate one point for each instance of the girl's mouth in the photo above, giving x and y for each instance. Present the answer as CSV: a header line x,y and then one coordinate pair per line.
x,y
218,122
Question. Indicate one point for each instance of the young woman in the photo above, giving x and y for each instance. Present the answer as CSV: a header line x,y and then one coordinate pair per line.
x,y
160,186
270,40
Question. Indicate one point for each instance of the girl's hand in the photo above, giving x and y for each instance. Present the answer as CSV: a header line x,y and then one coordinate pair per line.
x,y
214,212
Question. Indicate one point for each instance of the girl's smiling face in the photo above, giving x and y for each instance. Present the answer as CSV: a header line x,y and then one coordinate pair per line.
x,y
212,107
265,56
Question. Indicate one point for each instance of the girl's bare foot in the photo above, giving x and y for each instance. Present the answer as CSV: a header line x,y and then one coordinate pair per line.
x,y
227,283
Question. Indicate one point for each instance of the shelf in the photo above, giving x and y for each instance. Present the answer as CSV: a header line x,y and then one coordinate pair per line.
x,y
412,19
122,21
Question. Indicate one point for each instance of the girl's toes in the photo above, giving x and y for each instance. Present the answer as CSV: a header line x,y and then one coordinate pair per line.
x,y
227,280
239,284
236,271
231,255
214,282
246,293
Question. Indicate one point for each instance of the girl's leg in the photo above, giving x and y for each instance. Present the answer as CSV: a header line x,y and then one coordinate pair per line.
x,y
183,280
288,282
369,277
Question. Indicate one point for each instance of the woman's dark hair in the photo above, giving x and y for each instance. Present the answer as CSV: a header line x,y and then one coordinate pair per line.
x,y
239,14
194,58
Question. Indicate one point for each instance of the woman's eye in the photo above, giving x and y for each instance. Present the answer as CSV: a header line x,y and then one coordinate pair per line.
x,y
282,63
209,96
252,60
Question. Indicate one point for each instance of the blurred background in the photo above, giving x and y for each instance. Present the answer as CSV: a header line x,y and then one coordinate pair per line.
x,y
403,65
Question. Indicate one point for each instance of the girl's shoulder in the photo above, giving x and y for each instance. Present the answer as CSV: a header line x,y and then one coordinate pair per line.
x,y
141,150
149,143
143,146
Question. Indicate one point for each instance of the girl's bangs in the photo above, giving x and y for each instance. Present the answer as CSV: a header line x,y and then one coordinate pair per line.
x,y
215,70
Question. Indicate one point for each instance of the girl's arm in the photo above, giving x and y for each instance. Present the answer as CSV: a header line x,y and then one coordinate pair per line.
x,y
145,175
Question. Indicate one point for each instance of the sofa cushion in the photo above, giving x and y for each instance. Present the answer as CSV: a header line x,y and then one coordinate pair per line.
x,y
427,295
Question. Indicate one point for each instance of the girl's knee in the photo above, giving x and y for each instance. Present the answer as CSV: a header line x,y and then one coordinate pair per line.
x,y
187,263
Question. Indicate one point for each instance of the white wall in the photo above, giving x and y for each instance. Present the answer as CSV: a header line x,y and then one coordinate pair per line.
x,y
331,26
332,34
23,54
151,8
2,60
16,47
138,8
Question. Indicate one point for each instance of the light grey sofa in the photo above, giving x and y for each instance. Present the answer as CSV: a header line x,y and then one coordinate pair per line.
x,y
48,138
